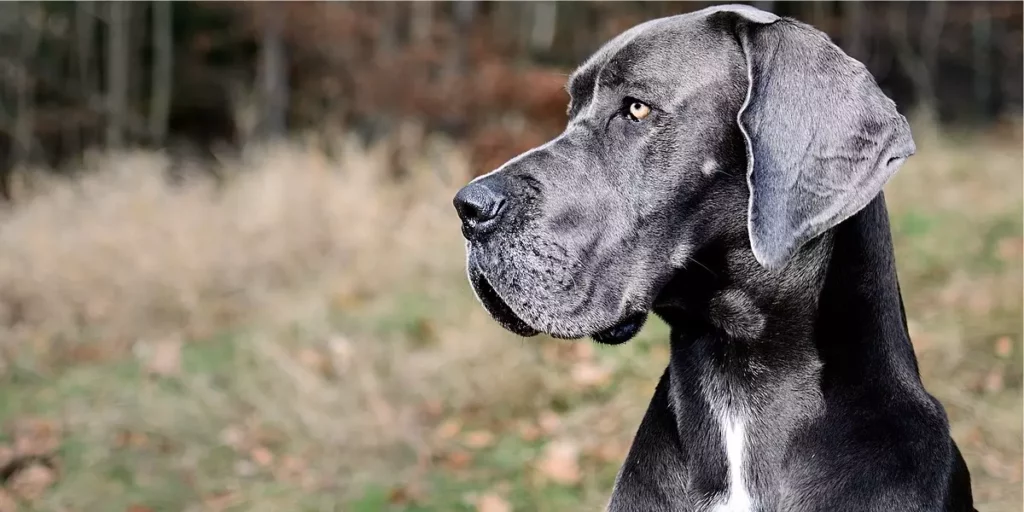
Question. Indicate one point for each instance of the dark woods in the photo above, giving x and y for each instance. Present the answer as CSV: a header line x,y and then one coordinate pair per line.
x,y
205,77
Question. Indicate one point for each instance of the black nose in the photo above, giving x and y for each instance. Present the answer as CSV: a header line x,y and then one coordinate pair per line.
x,y
480,205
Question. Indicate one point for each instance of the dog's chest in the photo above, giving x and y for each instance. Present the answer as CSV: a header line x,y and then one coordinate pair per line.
x,y
730,408
737,497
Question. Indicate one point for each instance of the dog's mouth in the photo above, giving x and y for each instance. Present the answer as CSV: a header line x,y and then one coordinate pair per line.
x,y
621,332
497,307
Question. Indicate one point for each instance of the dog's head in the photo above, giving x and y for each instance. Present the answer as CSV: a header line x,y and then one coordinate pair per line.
x,y
728,121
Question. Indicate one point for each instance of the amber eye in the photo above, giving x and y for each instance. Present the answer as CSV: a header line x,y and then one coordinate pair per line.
x,y
638,111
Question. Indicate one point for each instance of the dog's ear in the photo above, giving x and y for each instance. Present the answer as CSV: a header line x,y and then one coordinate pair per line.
x,y
822,139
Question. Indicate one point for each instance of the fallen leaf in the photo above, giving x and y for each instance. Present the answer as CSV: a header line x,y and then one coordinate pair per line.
x,y
292,464
220,501
974,436
232,436
560,462
492,502
314,360
529,432
588,374
261,456
1010,248
548,422
583,351
290,469
7,502
457,459
608,424
449,429
35,437
994,381
310,482
612,451
32,481
164,359
1004,347
130,439
405,494
478,439
342,352
433,408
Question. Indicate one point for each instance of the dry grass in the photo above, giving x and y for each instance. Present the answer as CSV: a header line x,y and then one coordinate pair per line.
x,y
119,256
327,326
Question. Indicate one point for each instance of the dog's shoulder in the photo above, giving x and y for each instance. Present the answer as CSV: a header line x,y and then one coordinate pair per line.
x,y
890,456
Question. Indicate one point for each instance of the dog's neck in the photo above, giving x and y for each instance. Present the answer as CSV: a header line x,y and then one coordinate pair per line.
x,y
756,340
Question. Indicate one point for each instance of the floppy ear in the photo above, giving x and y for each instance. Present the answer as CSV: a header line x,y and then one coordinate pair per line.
x,y
822,139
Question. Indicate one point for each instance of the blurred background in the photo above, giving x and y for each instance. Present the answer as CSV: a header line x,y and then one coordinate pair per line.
x,y
231,277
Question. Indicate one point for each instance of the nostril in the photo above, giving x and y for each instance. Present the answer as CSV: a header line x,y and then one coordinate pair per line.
x,y
494,208
476,203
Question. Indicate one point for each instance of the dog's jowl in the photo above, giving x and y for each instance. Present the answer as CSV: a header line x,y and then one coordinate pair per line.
x,y
724,170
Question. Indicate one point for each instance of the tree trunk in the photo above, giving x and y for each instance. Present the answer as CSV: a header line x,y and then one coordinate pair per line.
x,y
982,32
163,68
274,75
117,72
542,34
422,21
33,23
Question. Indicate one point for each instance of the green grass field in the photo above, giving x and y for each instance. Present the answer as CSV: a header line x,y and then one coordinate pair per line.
x,y
291,343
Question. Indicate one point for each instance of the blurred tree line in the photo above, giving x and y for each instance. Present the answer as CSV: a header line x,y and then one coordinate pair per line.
x,y
203,75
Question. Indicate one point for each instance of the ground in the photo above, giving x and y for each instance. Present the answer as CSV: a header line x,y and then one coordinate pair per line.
x,y
305,339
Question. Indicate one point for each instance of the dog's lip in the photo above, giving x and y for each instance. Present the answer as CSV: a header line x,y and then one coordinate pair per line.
x,y
497,306
623,330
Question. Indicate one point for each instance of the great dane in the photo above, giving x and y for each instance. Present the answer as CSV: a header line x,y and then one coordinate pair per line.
x,y
724,169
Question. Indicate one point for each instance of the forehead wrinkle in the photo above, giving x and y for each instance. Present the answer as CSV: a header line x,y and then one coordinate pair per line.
x,y
595,66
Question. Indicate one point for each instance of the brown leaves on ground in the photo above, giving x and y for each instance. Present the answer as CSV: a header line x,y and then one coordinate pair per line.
x,y
478,439
560,463
492,502
221,501
406,494
589,374
1004,347
549,422
35,437
457,460
1010,249
29,461
163,357
31,482
261,456
261,450
448,430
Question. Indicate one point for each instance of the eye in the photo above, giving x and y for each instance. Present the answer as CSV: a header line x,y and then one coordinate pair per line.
x,y
638,110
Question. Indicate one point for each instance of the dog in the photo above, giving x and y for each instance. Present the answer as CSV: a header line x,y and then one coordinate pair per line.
x,y
724,169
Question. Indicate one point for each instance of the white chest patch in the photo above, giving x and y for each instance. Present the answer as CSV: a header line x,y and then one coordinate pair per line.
x,y
733,437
